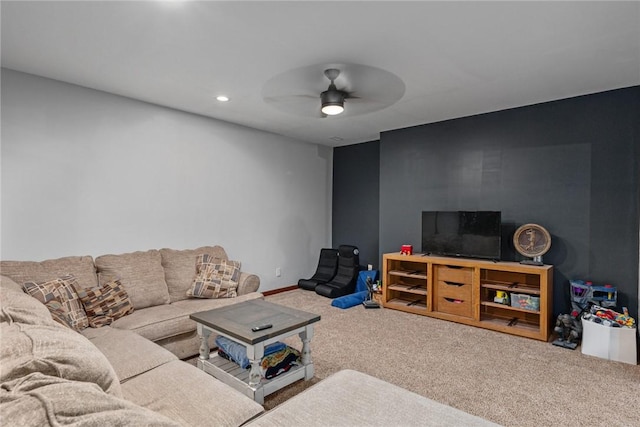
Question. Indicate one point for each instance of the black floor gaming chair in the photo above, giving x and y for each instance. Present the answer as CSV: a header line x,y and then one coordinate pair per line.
x,y
327,268
344,283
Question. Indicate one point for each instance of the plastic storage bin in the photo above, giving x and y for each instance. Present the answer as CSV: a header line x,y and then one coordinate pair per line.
x,y
618,344
527,302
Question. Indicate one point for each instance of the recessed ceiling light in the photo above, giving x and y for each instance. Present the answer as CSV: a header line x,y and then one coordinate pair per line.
x,y
222,98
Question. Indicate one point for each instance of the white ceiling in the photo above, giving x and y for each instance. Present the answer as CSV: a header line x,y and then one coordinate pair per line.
x,y
455,58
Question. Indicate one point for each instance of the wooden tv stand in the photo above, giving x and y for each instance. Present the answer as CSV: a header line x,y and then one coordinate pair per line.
x,y
462,290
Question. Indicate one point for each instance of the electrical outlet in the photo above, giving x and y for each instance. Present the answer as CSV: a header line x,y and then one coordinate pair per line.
x,y
278,272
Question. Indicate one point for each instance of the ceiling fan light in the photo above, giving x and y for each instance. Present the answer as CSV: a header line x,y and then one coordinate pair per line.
x,y
332,101
332,109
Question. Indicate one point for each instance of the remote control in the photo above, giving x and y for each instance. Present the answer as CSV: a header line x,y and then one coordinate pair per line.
x,y
261,327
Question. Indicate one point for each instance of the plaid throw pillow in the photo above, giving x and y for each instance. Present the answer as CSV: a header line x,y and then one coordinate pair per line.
x,y
106,303
215,278
60,297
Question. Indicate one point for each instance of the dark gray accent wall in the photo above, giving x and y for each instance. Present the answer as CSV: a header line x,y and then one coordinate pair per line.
x,y
569,165
356,199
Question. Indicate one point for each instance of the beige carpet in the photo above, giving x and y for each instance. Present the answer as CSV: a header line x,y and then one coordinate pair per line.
x,y
506,379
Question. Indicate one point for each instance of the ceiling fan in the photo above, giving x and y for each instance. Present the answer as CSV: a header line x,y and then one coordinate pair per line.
x,y
303,91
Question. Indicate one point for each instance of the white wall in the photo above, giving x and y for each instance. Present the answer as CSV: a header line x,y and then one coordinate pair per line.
x,y
88,173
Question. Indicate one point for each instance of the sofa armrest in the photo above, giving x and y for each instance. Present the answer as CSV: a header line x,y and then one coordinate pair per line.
x,y
9,284
248,283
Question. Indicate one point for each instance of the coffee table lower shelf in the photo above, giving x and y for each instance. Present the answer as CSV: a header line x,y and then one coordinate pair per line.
x,y
233,375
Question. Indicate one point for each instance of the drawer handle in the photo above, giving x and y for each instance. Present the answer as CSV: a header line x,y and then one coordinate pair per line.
x,y
453,300
454,284
454,267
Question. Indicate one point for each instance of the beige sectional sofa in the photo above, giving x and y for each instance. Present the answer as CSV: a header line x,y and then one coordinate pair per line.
x,y
52,375
129,373
156,282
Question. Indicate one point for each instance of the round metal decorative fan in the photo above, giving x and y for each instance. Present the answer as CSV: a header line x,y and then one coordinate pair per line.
x,y
532,240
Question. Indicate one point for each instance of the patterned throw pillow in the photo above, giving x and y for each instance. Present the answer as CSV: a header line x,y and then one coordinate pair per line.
x,y
60,297
215,278
106,303
58,313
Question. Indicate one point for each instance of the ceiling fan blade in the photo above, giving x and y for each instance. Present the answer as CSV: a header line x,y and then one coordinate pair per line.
x,y
365,100
285,98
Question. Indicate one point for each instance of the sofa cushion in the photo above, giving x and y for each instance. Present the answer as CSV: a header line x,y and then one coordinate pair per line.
x,y
351,398
156,323
188,344
46,400
182,346
171,320
81,267
17,306
60,297
55,351
215,278
7,284
195,305
140,273
106,303
180,268
180,392
128,353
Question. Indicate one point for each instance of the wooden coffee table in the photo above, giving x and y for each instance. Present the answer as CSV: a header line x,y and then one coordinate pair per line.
x,y
235,322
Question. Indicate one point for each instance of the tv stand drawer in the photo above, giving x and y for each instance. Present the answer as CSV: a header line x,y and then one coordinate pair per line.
x,y
455,306
453,290
448,273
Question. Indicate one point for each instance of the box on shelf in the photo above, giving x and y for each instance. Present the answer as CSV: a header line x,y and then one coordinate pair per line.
x,y
617,344
528,302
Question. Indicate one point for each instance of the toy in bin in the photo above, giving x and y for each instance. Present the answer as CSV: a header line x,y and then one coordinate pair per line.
x,y
501,298
608,317
406,250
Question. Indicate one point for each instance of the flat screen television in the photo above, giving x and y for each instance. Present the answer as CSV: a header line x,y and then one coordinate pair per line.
x,y
470,234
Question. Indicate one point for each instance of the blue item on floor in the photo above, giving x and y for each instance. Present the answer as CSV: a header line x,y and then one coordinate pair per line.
x,y
350,300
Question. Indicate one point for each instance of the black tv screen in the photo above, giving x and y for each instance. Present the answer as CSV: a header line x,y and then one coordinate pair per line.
x,y
472,234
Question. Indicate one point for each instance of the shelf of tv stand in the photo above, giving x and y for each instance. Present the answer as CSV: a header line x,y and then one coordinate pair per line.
x,y
505,324
404,303
411,289
520,288
508,307
413,274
